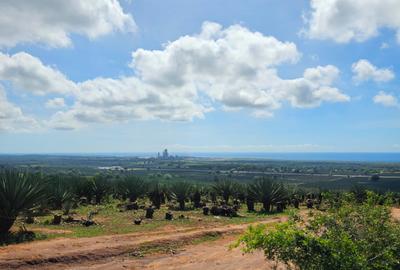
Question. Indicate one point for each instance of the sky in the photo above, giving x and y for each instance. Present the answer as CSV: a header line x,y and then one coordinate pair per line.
x,y
108,76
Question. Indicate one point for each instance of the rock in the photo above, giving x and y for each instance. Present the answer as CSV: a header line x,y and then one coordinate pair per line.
x,y
132,206
309,203
57,220
149,212
88,223
30,220
169,216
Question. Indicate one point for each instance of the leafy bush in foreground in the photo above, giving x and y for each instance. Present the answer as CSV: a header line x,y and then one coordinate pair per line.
x,y
353,236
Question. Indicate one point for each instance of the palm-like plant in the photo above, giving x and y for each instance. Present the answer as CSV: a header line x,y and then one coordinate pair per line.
x,y
267,191
132,187
59,192
101,186
225,188
19,192
156,193
180,191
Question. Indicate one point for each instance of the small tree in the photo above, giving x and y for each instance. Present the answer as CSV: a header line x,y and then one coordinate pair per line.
x,y
351,237
374,178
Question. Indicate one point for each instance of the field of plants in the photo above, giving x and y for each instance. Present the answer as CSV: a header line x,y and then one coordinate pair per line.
x,y
37,206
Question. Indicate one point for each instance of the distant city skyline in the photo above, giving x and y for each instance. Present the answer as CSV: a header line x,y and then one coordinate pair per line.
x,y
199,76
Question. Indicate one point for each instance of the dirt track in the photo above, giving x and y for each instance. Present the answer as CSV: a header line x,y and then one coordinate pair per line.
x,y
110,252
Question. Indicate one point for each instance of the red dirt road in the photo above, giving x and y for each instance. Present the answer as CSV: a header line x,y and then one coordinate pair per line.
x,y
66,253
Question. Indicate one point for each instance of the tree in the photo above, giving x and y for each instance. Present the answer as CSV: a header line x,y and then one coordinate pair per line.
x,y
19,192
180,191
267,191
353,236
374,178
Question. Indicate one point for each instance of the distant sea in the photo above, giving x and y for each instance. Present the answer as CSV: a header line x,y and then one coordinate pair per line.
x,y
354,157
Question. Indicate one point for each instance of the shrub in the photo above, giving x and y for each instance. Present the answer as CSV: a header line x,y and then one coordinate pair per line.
x,y
353,236
19,192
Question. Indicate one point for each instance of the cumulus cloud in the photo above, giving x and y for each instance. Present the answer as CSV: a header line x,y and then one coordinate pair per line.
x,y
52,22
12,118
28,73
55,103
386,99
363,71
233,68
347,20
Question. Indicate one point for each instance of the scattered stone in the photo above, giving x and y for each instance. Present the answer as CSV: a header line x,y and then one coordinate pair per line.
x,y
149,212
29,220
169,216
57,220
132,206
309,203
88,223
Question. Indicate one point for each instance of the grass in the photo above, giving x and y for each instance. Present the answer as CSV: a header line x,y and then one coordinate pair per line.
x,y
111,221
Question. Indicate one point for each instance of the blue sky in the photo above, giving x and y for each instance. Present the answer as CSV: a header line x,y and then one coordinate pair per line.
x,y
279,76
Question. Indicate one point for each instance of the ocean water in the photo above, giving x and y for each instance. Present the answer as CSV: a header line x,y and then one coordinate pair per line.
x,y
354,157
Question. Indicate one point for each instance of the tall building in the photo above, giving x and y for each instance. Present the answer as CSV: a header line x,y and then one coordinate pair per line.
x,y
165,154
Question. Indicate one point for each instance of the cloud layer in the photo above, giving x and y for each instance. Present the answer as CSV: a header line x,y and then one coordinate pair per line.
x,y
348,20
52,22
386,99
363,71
12,118
233,68
28,73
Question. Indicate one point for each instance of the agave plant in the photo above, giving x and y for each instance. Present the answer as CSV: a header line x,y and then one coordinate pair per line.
x,y
180,191
267,191
225,188
132,187
156,194
198,192
60,193
101,186
19,192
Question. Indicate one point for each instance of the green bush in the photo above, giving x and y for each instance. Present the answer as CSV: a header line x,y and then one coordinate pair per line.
x,y
352,236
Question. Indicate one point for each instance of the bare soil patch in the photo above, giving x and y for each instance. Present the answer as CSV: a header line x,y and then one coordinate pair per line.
x,y
67,253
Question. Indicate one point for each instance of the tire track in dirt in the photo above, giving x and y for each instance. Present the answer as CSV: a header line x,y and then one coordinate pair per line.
x,y
53,254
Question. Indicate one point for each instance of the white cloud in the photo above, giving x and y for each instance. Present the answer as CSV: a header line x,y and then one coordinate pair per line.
x,y
363,71
12,118
386,99
28,73
55,103
384,46
52,22
232,67
347,20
